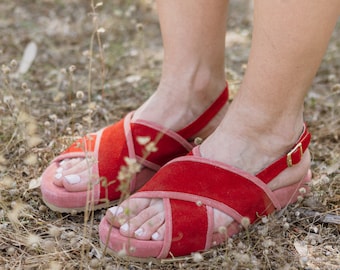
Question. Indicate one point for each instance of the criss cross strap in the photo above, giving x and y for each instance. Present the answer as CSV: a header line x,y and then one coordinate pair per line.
x,y
111,155
100,147
197,180
198,185
192,186
165,141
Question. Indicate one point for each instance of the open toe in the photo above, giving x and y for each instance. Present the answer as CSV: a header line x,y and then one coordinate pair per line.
x,y
192,187
128,152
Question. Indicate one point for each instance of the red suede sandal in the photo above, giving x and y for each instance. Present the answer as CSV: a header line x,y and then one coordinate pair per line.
x,y
106,151
191,187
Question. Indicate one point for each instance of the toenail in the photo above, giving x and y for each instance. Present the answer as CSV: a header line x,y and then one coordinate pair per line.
x,y
58,176
63,161
72,179
59,170
116,210
155,236
125,227
139,232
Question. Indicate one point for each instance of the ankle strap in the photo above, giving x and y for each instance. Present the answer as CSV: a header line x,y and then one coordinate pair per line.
x,y
292,158
195,126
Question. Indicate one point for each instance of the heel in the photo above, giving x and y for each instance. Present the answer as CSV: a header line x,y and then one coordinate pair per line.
x,y
290,194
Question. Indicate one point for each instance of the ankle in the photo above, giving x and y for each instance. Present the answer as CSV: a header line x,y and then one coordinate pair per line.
x,y
194,88
183,95
285,126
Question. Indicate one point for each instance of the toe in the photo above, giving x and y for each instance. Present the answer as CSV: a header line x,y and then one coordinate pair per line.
x,y
128,209
79,182
69,163
58,177
78,166
142,223
150,227
159,234
67,167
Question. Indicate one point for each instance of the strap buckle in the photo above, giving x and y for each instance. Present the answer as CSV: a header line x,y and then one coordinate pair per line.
x,y
291,152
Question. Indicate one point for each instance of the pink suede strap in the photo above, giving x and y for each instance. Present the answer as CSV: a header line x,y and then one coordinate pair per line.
x,y
195,126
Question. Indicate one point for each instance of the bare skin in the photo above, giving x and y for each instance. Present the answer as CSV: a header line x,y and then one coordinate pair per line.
x,y
192,76
266,118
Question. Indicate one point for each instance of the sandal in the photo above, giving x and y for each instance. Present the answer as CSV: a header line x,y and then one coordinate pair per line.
x,y
191,187
106,161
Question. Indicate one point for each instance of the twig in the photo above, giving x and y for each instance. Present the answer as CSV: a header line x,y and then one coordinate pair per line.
x,y
322,217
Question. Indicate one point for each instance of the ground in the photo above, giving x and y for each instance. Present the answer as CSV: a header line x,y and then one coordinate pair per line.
x,y
93,64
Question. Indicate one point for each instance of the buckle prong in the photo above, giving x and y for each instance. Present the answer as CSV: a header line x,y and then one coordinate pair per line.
x,y
289,155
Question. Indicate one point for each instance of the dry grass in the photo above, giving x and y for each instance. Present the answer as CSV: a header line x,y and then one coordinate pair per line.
x,y
63,95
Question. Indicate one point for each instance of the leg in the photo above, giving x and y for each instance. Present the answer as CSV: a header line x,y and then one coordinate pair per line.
x,y
192,72
284,58
265,119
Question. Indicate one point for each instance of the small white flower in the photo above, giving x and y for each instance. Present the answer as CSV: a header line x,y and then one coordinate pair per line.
x,y
151,147
302,190
197,257
80,94
245,222
99,4
101,30
143,140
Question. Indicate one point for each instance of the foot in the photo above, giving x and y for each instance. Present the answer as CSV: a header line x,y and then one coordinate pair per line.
x,y
175,109
244,146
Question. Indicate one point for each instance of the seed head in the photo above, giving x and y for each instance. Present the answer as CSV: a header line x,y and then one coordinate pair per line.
x,y
95,263
11,251
13,63
245,222
222,230
53,117
302,190
335,87
72,68
143,140
122,252
33,240
8,99
139,27
199,203
197,257
31,159
5,69
286,226
99,4
28,92
101,30
151,147
198,140
264,220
